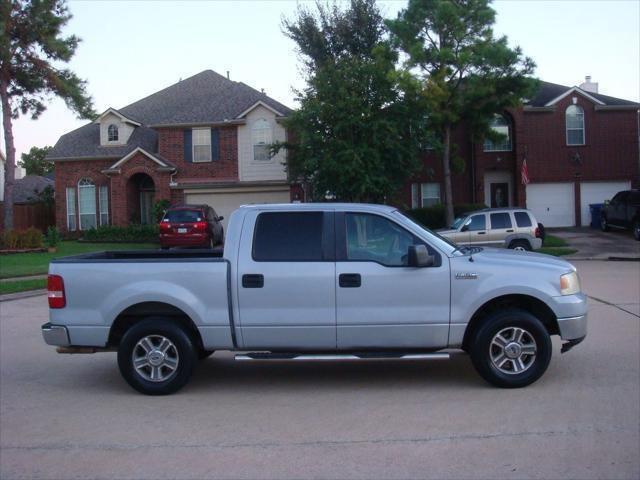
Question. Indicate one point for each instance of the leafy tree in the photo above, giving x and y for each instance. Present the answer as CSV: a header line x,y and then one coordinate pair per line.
x,y
352,132
31,49
35,162
467,74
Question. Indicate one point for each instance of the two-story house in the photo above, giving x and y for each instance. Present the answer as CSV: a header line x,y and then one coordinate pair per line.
x,y
202,140
577,146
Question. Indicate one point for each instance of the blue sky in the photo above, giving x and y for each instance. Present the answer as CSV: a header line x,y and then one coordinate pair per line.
x,y
132,49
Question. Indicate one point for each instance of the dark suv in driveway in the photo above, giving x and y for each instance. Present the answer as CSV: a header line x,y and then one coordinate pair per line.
x,y
623,211
191,226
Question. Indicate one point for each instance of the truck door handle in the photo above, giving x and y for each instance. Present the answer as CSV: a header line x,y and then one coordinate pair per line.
x,y
350,280
253,280
510,231
482,233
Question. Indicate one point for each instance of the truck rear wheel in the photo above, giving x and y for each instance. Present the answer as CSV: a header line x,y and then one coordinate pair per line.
x,y
156,356
520,245
512,349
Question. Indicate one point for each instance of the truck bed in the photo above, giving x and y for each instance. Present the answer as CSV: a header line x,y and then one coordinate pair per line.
x,y
179,255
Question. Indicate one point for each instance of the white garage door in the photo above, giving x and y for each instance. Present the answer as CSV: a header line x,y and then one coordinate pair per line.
x,y
553,204
597,192
224,203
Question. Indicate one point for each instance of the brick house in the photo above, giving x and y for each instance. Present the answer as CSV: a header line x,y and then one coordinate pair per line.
x,y
202,140
580,147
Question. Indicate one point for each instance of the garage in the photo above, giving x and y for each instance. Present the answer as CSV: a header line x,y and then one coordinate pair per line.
x,y
553,204
224,201
597,192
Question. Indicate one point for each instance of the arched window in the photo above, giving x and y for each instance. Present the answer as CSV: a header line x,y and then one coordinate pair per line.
x,y
574,117
501,126
112,133
87,203
261,135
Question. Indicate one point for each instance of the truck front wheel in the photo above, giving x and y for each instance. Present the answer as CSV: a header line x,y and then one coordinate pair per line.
x,y
511,349
156,356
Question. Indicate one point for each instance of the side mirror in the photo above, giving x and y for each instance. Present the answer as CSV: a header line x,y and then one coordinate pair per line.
x,y
419,257
220,219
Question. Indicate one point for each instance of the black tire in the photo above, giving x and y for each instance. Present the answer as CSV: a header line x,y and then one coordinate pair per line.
x,y
604,226
520,243
482,349
182,348
542,231
636,230
203,354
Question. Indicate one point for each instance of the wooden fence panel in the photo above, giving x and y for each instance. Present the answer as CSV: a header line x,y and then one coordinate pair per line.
x,y
35,215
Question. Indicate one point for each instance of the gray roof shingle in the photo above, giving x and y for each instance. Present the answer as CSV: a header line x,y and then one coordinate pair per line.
x,y
206,97
27,188
548,91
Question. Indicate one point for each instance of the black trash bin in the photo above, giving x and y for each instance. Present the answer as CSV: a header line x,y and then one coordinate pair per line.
x,y
596,211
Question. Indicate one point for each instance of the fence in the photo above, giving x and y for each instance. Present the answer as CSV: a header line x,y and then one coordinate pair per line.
x,y
37,215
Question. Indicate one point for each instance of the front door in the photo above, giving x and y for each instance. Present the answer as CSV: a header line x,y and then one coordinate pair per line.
x,y
381,302
146,208
286,281
499,195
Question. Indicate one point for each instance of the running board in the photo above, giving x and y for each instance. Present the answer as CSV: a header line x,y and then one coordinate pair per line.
x,y
340,357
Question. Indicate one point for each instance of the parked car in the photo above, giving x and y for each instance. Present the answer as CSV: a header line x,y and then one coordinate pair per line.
x,y
623,211
191,226
316,282
515,228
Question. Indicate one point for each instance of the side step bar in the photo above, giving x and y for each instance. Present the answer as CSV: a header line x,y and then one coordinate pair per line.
x,y
340,357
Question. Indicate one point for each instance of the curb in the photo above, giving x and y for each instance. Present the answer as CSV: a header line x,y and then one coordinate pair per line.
x,y
20,295
37,276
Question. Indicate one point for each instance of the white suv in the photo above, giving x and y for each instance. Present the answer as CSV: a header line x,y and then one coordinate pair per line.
x,y
514,228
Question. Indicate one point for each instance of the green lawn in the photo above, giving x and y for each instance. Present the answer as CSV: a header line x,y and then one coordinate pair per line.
x,y
21,264
555,246
22,285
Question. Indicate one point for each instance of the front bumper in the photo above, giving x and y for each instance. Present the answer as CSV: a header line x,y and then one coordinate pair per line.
x,y
56,335
573,330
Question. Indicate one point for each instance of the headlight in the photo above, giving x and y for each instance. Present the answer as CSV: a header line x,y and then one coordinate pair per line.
x,y
569,283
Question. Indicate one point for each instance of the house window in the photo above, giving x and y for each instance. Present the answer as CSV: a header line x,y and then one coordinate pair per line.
x,y
112,133
425,194
574,117
71,209
201,144
501,126
104,205
87,203
261,134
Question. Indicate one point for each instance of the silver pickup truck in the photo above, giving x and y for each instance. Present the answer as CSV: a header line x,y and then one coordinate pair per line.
x,y
316,282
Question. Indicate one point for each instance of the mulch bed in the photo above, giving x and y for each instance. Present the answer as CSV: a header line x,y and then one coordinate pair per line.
x,y
23,250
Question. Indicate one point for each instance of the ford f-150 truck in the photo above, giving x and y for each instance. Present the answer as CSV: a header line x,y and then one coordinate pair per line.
x,y
316,282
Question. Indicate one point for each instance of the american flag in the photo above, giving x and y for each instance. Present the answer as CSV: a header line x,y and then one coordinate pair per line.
x,y
524,173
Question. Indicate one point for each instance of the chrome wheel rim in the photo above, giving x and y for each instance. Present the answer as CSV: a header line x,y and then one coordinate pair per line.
x,y
155,358
603,223
513,350
520,248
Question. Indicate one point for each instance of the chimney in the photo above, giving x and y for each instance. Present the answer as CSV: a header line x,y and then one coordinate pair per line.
x,y
588,85
262,90
228,75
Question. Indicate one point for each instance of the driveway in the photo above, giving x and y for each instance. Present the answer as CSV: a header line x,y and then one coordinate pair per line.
x,y
596,244
64,416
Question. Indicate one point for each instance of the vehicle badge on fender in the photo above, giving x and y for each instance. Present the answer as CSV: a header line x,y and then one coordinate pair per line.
x,y
466,276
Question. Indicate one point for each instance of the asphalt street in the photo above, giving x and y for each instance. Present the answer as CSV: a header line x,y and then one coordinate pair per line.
x,y
72,416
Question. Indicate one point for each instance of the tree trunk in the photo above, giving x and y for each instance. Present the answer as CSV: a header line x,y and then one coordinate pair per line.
x,y
10,163
446,169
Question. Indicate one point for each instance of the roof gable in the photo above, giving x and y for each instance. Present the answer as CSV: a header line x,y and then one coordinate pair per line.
x,y
155,158
549,94
569,92
113,111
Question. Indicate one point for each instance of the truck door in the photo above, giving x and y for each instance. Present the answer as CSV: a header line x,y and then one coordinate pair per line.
x,y
381,302
286,275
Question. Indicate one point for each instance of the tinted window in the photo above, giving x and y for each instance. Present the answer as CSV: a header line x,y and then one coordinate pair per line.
x,y
500,220
288,237
634,198
375,238
184,216
522,219
478,222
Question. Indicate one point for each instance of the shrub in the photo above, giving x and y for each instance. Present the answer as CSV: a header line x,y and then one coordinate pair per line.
x,y
434,217
19,239
129,234
53,237
160,208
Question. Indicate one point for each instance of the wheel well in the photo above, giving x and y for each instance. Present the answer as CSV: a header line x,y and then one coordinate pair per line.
x,y
140,311
519,240
536,307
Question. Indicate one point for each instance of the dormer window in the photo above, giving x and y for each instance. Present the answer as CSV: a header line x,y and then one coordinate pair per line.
x,y
112,133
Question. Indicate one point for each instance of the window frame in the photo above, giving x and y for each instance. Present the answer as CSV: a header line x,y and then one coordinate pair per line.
x,y
327,242
103,204
91,185
567,128
71,202
194,136
268,138
110,135
499,147
341,241
422,197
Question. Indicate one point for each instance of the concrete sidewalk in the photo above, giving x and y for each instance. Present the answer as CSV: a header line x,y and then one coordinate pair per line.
x,y
594,244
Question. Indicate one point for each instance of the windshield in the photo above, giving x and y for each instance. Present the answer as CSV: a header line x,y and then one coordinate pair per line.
x,y
428,230
457,223
183,216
